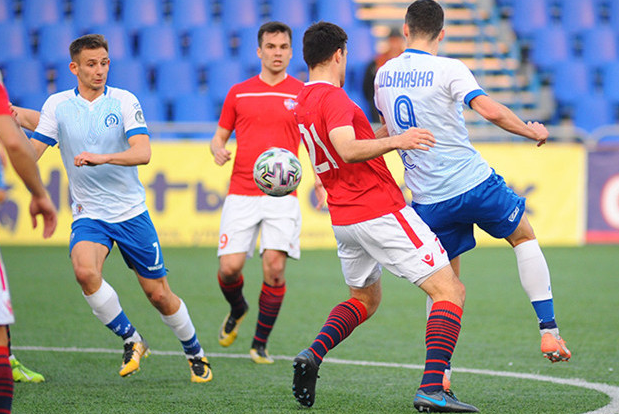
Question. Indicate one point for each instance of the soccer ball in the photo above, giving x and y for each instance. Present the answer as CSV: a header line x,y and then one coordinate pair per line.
x,y
277,172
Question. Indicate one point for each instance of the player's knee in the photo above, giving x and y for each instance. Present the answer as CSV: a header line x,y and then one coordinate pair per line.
x,y
158,297
85,275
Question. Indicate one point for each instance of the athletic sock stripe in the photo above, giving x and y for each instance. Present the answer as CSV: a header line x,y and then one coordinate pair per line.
x,y
315,354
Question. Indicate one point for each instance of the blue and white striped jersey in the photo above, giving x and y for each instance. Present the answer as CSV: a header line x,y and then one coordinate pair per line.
x,y
426,91
107,192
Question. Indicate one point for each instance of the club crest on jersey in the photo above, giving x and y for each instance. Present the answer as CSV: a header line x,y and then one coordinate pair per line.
x,y
112,120
290,104
139,117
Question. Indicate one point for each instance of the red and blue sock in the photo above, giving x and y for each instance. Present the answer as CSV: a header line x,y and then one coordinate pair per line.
x,y
271,298
6,381
233,293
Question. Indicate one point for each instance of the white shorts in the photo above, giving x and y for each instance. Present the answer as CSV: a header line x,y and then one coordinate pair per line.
x,y
401,242
6,309
277,219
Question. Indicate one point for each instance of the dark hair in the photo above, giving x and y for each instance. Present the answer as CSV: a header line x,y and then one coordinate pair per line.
x,y
320,41
273,27
89,41
425,18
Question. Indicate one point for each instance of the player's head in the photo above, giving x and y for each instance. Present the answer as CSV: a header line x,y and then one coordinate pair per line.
x,y
274,46
424,19
90,61
323,43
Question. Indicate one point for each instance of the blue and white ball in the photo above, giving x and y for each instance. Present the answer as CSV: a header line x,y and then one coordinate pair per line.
x,y
277,172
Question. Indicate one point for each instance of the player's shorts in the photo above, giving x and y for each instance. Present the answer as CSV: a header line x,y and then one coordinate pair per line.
x,y
6,309
277,219
399,241
492,205
136,238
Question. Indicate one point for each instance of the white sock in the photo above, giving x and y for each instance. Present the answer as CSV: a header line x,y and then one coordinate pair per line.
x,y
533,270
104,303
181,325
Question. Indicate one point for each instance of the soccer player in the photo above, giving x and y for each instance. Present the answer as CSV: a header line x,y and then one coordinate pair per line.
x,y
23,160
102,138
372,224
452,186
259,109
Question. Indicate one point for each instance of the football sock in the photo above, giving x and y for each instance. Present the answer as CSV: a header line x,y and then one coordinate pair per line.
x,y
535,280
6,381
183,328
429,304
233,293
442,333
341,321
106,307
271,298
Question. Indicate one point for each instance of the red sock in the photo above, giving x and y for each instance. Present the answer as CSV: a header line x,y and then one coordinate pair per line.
x,y
6,381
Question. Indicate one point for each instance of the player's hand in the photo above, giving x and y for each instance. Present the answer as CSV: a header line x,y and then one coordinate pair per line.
x,y
540,131
321,194
222,156
416,138
89,159
44,206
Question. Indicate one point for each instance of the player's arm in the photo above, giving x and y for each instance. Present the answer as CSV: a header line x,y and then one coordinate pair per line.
x,y
218,146
503,117
27,118
358,150
138,153
23,159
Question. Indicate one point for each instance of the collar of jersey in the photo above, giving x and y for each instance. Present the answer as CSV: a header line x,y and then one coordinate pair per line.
x,y
419,52
77,93
318,81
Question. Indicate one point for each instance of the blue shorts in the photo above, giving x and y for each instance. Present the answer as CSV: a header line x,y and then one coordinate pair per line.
x,y
492,205
136,239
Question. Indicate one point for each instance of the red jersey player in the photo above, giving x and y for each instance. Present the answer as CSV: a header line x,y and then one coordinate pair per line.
x,y
259,109
373,225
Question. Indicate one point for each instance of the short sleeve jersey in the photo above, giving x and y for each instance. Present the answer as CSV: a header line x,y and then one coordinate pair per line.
x,y
107,192
4,101
262,117
426,91
356,191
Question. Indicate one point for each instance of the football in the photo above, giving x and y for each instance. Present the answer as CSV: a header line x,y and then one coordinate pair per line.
x,y
277,172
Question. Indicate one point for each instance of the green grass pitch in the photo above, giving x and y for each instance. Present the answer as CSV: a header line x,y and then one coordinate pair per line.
x,y
499,334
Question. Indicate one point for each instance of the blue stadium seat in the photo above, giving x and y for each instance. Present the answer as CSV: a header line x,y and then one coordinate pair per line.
x,y
613,12
129,74
610,82
32,100
37,13
295,13
187,14
54,41
193,107
15,42
297,64
64,79
572,81
207,44
6,11
221,76
175,78
239,13
153,107
528,16
23,77
87,14
158,43
550,46
340,12
599,46
118,40
577,15
248,44
592,111
137,14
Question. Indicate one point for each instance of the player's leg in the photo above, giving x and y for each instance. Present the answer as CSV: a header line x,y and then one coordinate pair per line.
x,y
6,373
231,282
535,280
20,372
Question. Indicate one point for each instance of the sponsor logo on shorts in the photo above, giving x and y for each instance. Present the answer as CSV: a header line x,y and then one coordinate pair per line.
x,y
512,216
428,259
156,267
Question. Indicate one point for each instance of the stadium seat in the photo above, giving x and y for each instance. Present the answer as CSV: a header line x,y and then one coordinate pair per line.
x,y
577,15
613,18
340,12
33,100
248,44
297,64
572,81
221,76
175,78
87,14
193,107
528,16
15,42
54,41
37,13
153,107
137,14
23,77
610,82
129,74
63,78
239,13
599,46
550,45
591,112
157,44
207,44
118,40
187,14
295,13
6,11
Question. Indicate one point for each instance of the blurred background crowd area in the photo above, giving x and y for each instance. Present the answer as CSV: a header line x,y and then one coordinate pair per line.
x,y
556,61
